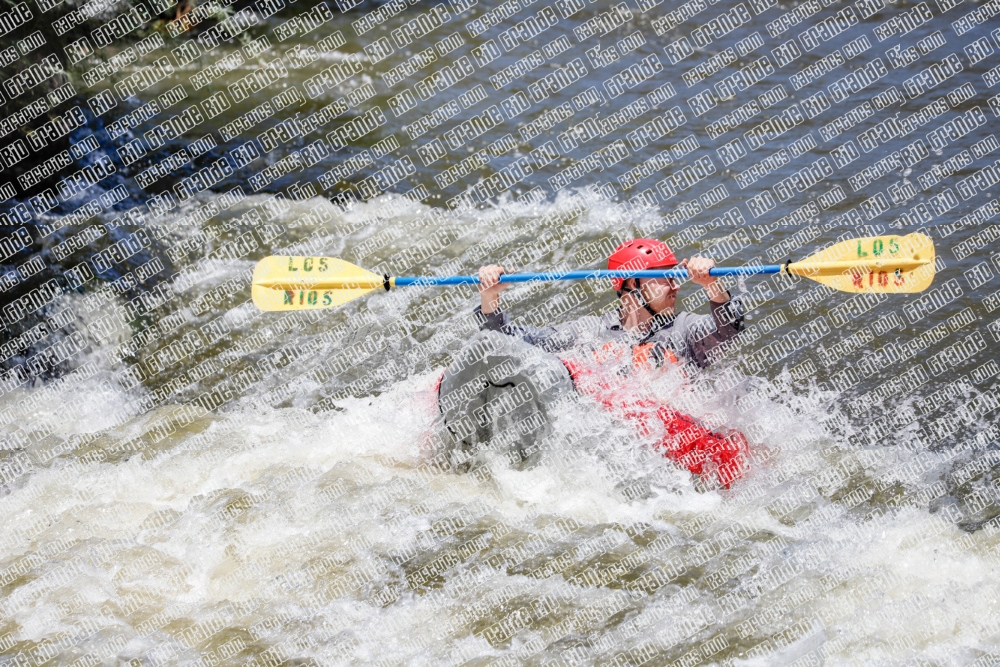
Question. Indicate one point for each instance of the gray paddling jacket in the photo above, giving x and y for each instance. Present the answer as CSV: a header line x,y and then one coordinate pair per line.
x,y
699,339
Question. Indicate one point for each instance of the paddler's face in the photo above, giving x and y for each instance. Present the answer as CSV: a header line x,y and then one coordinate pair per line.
x,y
660,293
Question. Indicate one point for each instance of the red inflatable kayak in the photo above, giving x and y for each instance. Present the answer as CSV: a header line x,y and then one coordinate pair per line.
x,y
681,437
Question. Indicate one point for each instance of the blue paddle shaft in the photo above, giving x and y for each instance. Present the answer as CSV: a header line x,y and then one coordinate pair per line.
x,y
587,275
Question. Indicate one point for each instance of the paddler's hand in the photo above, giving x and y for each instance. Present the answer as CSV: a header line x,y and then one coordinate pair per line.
x,y
698,268
490,287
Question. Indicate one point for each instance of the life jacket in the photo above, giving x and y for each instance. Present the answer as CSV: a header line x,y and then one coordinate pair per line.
x,y
644,355
681,437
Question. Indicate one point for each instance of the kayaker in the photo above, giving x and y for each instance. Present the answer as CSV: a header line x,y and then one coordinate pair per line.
x,y
646,315
501,391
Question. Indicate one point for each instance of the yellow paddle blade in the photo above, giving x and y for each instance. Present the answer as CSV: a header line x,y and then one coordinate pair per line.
x,y
881,264
307,283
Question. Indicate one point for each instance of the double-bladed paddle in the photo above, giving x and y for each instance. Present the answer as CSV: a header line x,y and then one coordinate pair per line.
x,y
880,264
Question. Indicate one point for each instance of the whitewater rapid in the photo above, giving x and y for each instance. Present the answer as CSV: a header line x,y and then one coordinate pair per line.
x,y
296,521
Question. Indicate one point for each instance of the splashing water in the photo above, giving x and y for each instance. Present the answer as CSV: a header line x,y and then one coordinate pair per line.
x,y
306,517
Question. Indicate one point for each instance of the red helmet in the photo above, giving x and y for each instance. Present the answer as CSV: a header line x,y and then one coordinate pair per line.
x,y
640,254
